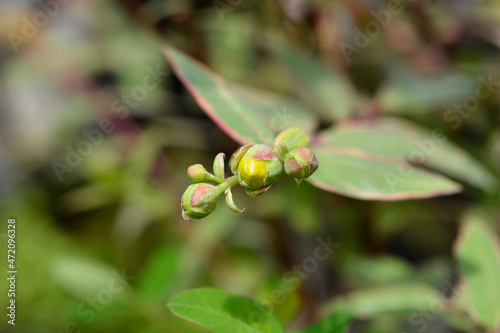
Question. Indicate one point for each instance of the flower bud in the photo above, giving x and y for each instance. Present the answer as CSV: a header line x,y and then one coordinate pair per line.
x,y
197,173
258,169
294,138
199,201
300,164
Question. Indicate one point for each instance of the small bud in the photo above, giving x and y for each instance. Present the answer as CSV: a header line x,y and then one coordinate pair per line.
x,y
197,173
294,138
199,201
300,164
258,169
235,159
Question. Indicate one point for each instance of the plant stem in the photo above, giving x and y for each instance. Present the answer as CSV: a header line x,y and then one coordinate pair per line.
x,y
229,182
213,178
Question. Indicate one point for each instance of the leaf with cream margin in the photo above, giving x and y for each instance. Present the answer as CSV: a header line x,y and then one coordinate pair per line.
x,y
399,138
362,175
248,115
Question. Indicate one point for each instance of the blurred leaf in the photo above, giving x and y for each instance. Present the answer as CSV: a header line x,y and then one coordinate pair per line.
x,y
285,302
85,278
336,323
203,239
478,253
222,312
434,271
325,87
373,302
230,45
299,207
246,114
363,271
362,175
460,321
399,138
408,93
160,271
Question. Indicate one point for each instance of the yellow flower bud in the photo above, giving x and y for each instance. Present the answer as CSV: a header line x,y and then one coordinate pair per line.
x,y
258,169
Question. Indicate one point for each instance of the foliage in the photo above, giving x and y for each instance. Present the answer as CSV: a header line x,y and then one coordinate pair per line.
x,y
105,106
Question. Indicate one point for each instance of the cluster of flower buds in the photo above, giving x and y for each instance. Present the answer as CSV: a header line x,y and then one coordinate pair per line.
x,y
256,167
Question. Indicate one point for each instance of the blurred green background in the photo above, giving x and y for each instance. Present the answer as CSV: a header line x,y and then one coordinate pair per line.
x,y
91,78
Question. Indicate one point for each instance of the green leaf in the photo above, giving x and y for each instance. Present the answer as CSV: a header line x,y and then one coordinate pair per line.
x,y
398,138
374,302
409,93
222,312
323,86
363,175
336,323
248,115
477,250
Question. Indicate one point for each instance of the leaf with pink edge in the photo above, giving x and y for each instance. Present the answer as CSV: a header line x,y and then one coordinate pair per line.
x,y
248,115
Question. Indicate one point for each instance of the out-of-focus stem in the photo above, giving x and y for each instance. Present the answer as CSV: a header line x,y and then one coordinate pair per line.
x,y
210,177
229,182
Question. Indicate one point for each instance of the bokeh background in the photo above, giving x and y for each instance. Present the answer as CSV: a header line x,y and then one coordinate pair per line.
x,y
68,70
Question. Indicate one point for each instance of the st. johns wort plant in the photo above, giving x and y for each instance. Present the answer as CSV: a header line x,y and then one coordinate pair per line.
x,y
363,156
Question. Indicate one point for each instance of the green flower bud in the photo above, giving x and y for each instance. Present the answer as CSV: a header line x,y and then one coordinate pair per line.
x,y
294,138
300,163
258,169
197,173
199,201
